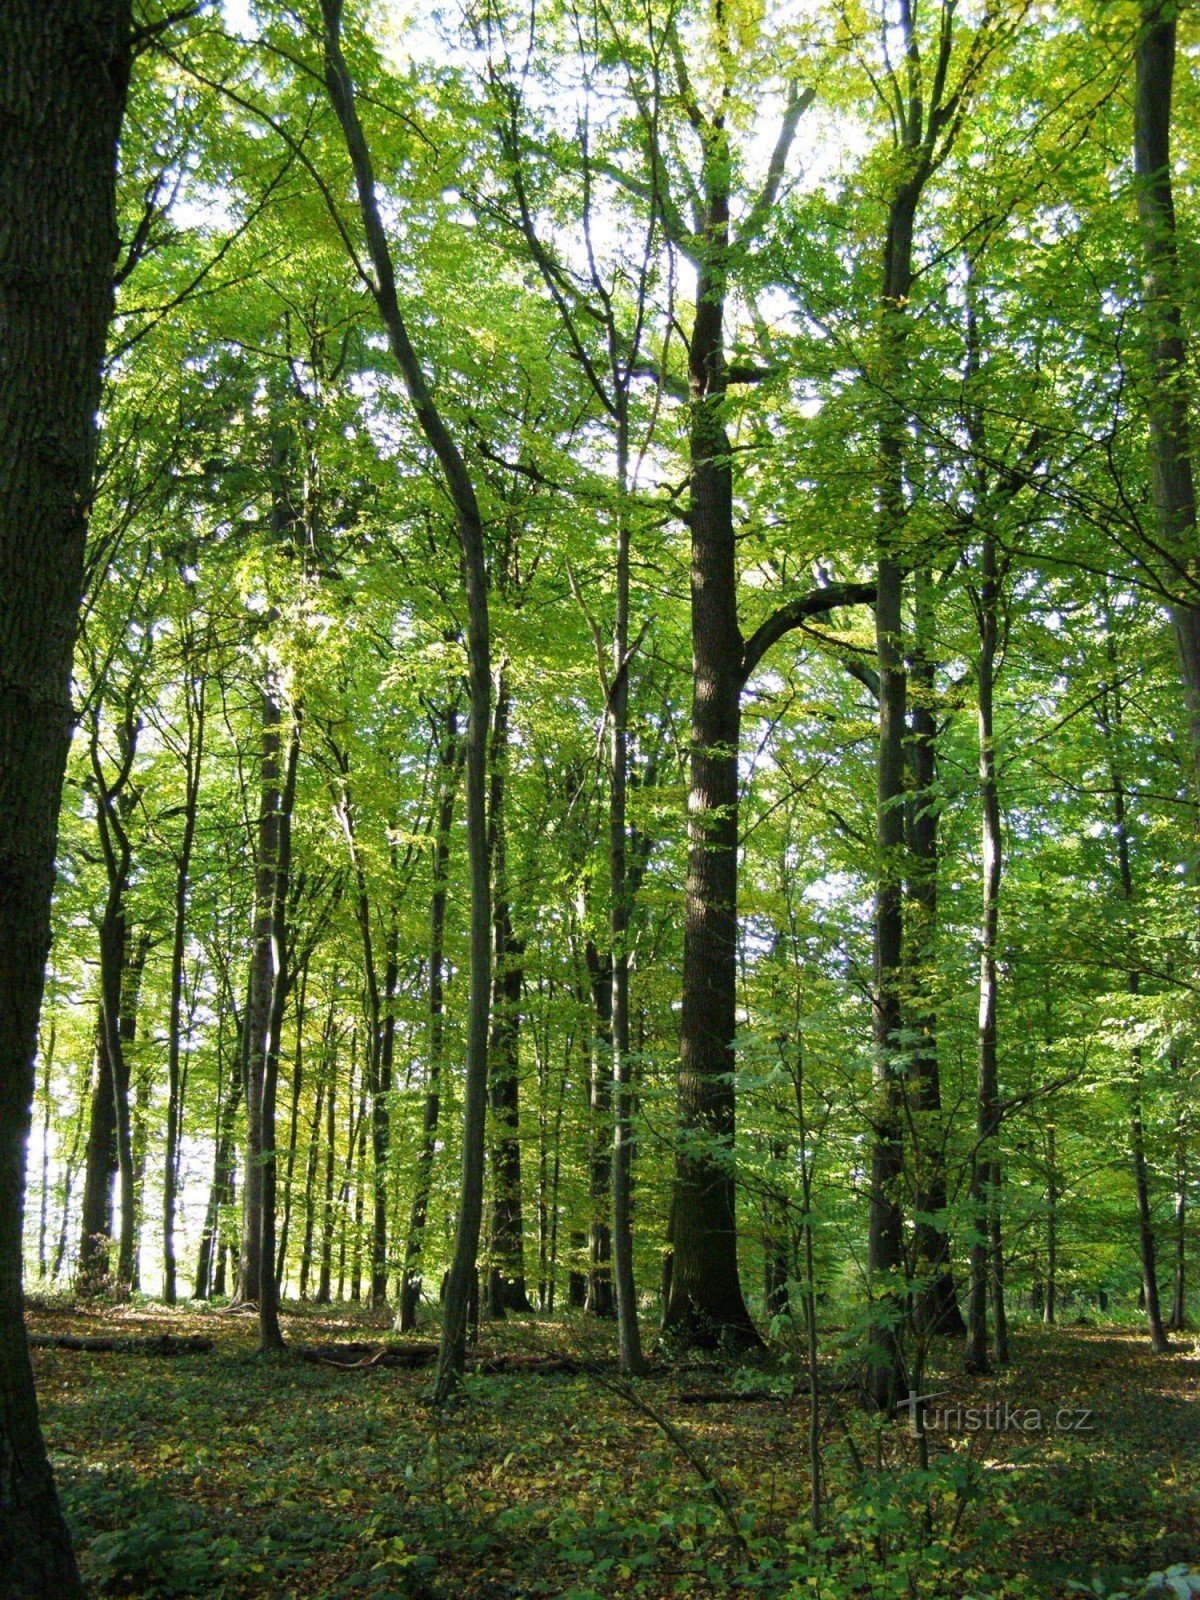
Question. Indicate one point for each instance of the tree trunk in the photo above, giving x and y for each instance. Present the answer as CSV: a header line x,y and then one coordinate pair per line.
x,y
1049,1307
986,1267
469,526
619,890
258,998
410,1278
211,1244
706,1306
64,72
937,1297
100,1168
193,754
884,1228
506,1248
1170,438
293,1125
328,1213
270,1334
599,1301
1111,717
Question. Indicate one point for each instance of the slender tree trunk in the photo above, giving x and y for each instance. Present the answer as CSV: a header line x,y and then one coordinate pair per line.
x,y
986,1261
193,758
1049,1307
469,526
211,1245
293,1125
72,1163
328,1214
270,1335
311,1164
506,1246
258,998
1111,718
937,1297
628,1337
47,1058
64,71
599,1301
410,1279
356,1242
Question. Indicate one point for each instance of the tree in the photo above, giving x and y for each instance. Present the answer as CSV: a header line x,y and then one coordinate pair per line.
x,y
64,76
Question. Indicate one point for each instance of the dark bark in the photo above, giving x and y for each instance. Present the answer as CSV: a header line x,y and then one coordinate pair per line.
x,y
1172,476
884,1228
64,72
100,1168
706,1305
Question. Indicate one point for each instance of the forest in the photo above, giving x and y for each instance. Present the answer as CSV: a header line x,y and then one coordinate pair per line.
x,y
600,794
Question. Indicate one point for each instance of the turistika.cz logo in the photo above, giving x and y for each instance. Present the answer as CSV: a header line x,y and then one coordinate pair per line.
x,y
997,1416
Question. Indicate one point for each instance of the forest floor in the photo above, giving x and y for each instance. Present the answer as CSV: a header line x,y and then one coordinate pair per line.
x,y
225,1476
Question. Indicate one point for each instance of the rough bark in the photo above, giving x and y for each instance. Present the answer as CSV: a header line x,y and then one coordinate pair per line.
x,y
1172,476
64,72
706,1305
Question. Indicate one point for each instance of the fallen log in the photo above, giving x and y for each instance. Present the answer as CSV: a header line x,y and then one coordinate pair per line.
x,y
726,1397
160,1344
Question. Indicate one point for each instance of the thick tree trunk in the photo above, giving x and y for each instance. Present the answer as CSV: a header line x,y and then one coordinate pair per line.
x,y
100,1168
705,1304
1170,437
64,72
884,1227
